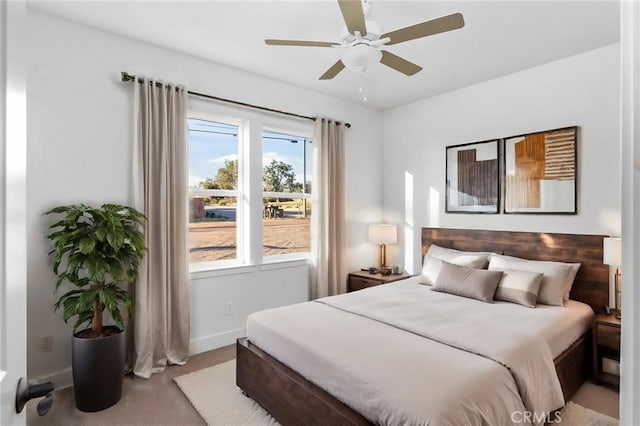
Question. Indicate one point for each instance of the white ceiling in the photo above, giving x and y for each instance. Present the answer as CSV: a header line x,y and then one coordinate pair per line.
x,y
499,38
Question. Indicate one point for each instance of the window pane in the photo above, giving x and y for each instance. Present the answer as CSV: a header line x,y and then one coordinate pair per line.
x,y
286,160
285,226
213,164
213,155
287,169
212,229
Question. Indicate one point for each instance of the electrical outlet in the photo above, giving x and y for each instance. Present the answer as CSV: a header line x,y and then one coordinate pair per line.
x,y
228,308
45,343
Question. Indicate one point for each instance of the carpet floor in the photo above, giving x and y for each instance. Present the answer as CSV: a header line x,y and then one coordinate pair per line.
x,y
214,395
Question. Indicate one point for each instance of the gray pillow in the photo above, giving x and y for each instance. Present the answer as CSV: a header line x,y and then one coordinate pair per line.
x,y
519,287
467,282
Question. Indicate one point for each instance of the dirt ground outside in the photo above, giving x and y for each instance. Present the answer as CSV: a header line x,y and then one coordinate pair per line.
x,y
216,240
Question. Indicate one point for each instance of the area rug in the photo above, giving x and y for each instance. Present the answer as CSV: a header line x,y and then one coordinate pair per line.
x,y
213,393
576,415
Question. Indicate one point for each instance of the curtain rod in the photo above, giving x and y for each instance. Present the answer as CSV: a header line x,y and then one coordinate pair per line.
x,y
130,77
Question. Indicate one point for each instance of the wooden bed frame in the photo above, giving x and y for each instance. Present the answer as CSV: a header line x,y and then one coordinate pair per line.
x,y
292,399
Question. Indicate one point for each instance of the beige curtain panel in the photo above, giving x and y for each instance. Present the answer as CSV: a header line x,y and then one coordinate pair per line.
x,y
161,310
329,276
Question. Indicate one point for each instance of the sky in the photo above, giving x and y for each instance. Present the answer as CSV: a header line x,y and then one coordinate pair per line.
x,y
210,144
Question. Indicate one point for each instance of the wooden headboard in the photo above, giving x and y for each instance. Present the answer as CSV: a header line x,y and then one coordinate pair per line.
x,y
591,285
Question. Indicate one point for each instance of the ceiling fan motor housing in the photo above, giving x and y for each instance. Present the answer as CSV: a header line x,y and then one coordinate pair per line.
x,y
373,33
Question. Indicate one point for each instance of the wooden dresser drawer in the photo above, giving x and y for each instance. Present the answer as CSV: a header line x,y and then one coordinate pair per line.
x,y
358,283
608,336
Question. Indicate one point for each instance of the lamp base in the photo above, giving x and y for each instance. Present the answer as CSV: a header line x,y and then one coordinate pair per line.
x,y
383,256
618,294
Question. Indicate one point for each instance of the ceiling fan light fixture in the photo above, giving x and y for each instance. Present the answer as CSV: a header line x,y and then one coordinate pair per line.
x,y
360,57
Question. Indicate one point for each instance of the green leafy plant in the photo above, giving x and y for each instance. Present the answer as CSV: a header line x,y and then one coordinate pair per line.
x,y
97,250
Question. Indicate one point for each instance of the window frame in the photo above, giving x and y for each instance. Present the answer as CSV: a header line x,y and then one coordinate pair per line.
x,y
249,229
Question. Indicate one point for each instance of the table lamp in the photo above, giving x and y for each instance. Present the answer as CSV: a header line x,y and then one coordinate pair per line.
x,y
612,256
383,234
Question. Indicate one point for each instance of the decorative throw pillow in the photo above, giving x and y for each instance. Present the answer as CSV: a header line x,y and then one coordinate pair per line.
x,y
467,282
557,278
519,287
436,254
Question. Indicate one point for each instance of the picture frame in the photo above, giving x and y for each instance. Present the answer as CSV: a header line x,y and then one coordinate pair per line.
x,y
472,179
540,172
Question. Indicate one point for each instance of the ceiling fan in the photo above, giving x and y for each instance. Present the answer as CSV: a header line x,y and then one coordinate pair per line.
x,y
362,40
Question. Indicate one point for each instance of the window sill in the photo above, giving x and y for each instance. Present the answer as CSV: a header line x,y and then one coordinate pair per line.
x,y
284,262
208,271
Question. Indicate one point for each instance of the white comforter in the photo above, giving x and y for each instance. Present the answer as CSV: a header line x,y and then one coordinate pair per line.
x,y
394,376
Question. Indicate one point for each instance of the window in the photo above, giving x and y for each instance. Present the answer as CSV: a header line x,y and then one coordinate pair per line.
x,y
213,191
231,164
286,183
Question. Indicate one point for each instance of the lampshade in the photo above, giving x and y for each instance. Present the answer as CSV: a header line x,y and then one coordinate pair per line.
x,y
383,234
612,251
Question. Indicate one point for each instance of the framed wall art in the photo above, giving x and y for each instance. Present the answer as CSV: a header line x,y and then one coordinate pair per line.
x,y
540,172
472,178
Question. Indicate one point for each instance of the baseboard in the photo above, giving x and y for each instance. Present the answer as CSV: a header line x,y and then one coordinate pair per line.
x,y
214,341
62,379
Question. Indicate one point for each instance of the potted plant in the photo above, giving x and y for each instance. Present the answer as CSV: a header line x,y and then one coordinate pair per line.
x,y
97,251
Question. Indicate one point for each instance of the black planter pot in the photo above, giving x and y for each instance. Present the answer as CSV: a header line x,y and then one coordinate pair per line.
x,y
98,370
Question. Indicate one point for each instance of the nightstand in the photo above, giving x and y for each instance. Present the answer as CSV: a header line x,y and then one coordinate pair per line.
x,y
606,343
362,279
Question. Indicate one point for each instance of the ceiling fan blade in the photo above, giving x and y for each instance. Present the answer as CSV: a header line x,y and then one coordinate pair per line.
x,y
353,16
399,64
427,28
273,42
333,71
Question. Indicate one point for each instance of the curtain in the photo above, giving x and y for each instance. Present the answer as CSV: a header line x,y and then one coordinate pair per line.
x,y
161,299
329,275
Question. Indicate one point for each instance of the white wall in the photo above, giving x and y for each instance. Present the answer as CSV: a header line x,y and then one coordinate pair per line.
x,y
630,124
581,90
13,205
79,124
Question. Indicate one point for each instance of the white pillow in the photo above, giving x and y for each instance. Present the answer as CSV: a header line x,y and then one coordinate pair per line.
x,y
570,280
557,277
436,254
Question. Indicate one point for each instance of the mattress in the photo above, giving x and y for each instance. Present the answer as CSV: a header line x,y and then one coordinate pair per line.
x,y
392,376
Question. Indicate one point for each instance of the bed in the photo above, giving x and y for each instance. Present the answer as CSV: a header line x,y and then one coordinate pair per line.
x,y
293,398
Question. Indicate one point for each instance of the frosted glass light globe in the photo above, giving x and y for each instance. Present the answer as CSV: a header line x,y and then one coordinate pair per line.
x,y
360,57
